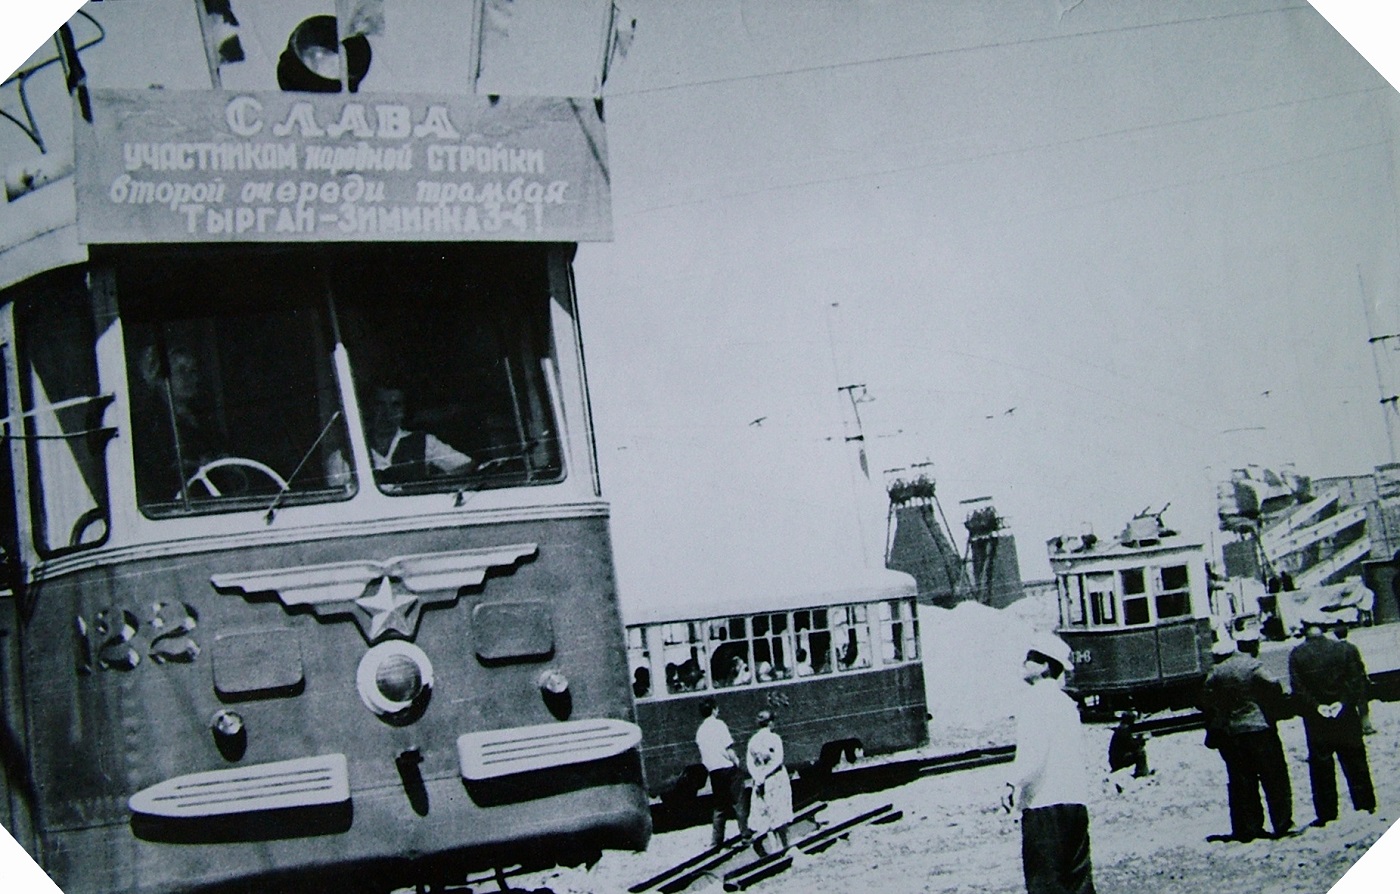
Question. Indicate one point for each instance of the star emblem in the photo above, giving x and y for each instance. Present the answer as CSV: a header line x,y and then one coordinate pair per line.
x,y
389,610
381,596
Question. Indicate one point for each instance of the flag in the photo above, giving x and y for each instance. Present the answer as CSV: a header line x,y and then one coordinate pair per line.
x,y
359,17
220,26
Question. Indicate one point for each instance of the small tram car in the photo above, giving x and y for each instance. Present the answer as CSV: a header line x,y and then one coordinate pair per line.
x,y
311,572
841,670
1136,613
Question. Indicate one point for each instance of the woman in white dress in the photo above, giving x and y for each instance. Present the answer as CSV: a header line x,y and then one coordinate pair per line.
x,y
771,810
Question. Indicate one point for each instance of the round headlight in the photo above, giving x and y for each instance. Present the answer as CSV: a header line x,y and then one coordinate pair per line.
x,y
393,677
398,679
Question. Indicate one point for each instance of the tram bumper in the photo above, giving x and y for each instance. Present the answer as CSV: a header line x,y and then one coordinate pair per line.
x,y
505,752
535,795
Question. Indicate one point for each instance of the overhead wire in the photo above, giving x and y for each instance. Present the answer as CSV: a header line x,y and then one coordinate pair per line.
x,y
1000,153
948,51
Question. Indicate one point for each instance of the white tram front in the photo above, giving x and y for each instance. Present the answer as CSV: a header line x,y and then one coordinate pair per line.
x,y
312,574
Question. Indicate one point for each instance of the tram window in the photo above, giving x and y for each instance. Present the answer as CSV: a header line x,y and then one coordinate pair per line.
x,y
852,637
1135,607
812,635
1071,600
1134,581
730,661
639,660
1135,611
1101,606
453,363
770,648
1174,598
683,650
233,399
1101,599
899,635
62,407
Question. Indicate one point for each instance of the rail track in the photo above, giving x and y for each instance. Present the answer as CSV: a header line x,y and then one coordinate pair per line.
x,y
707,867
816,838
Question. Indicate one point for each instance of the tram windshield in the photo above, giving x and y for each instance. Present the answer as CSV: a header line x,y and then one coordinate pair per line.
x,y
233,398
453,365
235,401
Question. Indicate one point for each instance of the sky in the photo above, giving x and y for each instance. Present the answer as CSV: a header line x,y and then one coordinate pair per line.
x,y
1081,257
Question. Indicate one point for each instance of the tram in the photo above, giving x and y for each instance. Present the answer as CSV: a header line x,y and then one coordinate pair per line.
x,y
1136,613
841,669
311,572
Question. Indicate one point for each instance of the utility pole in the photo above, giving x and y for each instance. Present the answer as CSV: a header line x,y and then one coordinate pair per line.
x,y
859,436
1390,403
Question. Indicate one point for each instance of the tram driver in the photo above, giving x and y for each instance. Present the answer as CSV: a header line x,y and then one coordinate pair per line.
x,y
400,455
176,428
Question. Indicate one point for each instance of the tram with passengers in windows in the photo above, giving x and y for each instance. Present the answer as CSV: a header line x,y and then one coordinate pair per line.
x,y
312,574
1136,613
841,668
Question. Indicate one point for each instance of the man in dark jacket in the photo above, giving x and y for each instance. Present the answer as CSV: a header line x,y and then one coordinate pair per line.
x,y
1240,701
1329,687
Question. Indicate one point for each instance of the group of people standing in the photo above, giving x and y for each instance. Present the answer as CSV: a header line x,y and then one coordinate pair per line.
x,y
1048,780
1243,705
763,817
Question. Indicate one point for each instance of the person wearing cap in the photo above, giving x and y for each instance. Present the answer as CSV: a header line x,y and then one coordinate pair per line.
x,y
1048,781
1329,686
726,781
1127,750
1241,702
771,811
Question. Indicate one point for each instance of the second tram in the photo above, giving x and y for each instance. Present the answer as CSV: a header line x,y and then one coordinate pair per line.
x,y
841,670
1136,613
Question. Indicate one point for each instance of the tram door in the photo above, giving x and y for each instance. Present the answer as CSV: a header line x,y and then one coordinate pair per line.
x,y
14,800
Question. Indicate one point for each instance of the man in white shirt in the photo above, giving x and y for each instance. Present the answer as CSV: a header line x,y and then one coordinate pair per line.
x,y
726,782
1048,780
399,455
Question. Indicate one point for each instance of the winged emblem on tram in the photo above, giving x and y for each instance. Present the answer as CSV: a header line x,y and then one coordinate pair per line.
x,y
384,597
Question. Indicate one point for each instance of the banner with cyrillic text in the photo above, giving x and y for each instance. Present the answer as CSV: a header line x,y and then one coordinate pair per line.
x,y
209,166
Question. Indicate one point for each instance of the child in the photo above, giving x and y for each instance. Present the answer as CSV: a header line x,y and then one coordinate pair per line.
x,y
1127,749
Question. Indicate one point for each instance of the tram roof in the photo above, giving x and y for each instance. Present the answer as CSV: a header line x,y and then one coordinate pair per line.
x,y
778,591
1113,554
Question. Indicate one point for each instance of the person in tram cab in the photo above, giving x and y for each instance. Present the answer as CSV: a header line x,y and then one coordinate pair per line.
x,y
764,673
400,455
804,662
848,656
176,432
684,677
641,682
740,674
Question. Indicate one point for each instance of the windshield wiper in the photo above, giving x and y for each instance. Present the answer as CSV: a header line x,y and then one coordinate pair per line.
x,y
277,500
